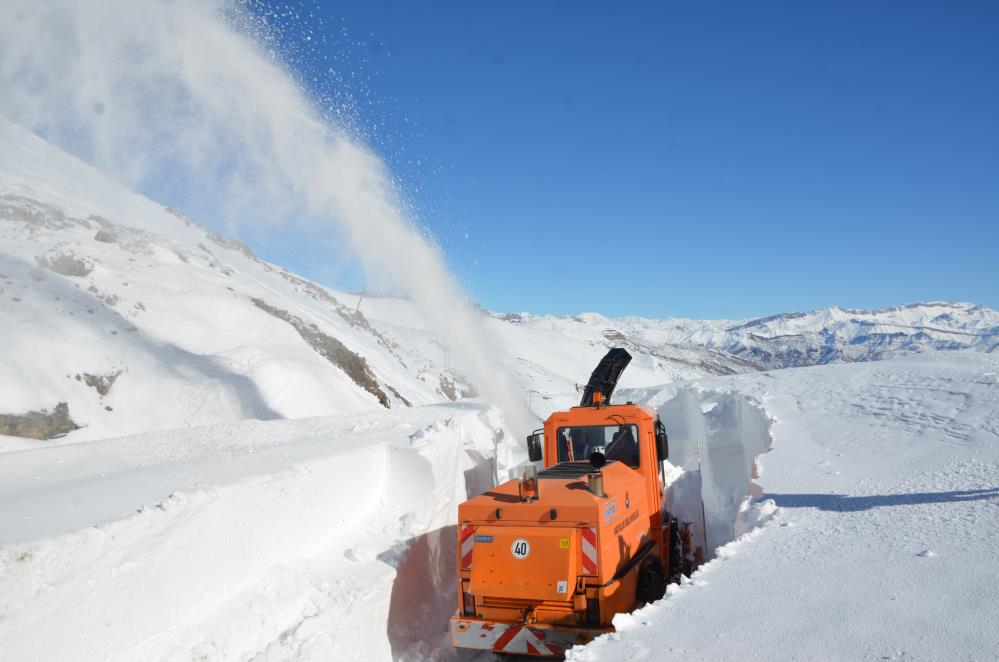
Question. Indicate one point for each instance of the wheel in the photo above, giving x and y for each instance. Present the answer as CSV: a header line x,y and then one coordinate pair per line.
x,y
651,581
675,552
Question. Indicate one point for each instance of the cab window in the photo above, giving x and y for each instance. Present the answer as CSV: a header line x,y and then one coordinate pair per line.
x,y
616,442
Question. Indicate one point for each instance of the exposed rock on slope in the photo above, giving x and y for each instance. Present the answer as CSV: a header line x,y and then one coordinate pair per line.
x,y
39,424
333,351
100,383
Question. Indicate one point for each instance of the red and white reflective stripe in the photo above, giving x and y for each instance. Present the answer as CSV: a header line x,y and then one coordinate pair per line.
x,y
535,646
507,638
522,639
467,543
518,638
589,548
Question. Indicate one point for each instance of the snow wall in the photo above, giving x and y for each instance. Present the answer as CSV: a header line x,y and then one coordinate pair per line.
x,y
714,441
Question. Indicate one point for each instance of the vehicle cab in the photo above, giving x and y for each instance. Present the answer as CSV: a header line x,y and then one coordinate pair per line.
x,y
630,434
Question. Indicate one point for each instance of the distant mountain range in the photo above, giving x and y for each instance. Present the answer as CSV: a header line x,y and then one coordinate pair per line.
x,y
797,339
122,316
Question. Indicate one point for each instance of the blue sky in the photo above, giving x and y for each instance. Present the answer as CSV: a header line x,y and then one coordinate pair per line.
x,y
716,160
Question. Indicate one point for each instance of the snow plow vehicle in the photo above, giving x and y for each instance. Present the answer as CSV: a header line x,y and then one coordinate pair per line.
x,y
546,561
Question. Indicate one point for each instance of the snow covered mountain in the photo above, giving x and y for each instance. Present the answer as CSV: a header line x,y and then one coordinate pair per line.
x,y
137,318
791,339
122,316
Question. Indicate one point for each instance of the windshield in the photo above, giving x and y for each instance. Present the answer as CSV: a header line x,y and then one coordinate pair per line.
x,y
617,442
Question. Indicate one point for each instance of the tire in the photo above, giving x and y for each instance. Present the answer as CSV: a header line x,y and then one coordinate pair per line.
x,y
651,581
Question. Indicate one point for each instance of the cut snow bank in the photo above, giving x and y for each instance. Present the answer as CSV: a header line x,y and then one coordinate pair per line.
x,y
714,441
271,540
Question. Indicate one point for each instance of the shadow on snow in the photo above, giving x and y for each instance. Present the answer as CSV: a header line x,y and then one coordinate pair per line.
x,y
844,503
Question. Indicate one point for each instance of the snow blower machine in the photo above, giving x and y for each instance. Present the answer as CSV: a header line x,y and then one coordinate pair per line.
x,y
546,561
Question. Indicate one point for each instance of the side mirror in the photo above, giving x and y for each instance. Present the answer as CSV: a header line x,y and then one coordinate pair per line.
x,y
534,444
662,442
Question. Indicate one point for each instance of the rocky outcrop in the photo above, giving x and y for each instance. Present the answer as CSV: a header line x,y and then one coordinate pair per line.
x,y
100,383
354,365
66,264
39,424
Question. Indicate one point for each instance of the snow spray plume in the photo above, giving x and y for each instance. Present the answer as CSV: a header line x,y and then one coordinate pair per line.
x,y
189,88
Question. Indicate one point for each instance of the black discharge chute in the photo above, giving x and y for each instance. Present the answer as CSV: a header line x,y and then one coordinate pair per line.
x,y
605,376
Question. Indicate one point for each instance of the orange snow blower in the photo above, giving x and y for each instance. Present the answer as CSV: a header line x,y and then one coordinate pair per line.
x,y
546,561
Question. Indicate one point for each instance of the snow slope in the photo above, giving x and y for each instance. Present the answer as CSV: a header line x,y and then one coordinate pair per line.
x,y
191,327
882,491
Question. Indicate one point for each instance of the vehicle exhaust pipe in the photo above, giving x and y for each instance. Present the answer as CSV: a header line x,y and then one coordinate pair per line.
x,y
595,478
529,483
596,483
